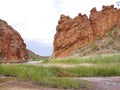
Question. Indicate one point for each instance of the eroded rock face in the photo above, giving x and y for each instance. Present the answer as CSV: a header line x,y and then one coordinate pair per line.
x,y
72,34
12,46
103,21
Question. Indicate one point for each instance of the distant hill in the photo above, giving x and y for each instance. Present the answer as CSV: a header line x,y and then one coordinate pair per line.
x,y
35,57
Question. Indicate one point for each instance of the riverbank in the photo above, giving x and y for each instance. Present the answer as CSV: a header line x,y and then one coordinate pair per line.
x,y
95,83
13,83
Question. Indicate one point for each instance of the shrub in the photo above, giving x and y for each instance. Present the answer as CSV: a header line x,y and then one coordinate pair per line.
x,y
111,41
94,47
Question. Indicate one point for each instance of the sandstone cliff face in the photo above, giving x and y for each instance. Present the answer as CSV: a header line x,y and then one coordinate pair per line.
x,y
103,21
12,46
72,34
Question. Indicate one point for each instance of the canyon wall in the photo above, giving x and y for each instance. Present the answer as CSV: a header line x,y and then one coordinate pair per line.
x,y
74,33
12,46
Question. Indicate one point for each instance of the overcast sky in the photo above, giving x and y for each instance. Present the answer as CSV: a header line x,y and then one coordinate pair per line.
x,y
36,20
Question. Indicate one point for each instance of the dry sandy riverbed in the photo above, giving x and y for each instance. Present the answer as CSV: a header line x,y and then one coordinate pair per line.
x,y
103,83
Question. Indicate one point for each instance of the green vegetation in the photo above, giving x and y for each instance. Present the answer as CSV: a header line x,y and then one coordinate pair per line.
x,y
61,77
112,35
41,75
114,31
35,57
98,59
58,76
111,41
94,47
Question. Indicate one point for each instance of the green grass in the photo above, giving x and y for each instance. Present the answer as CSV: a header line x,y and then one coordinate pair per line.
x,y
40,75
60,77
98,59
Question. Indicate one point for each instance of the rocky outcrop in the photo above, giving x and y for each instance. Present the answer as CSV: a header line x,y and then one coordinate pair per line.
x,y
103,21
72,34
12,46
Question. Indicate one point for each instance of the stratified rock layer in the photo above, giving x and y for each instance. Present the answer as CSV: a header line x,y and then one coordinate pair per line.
x,y
12,46
72,34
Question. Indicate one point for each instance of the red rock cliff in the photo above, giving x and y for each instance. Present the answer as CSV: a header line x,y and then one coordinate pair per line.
x,y
72,34
12,46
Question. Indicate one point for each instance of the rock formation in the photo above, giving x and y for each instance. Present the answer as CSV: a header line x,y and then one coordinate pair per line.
x,y
72,34
12,46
